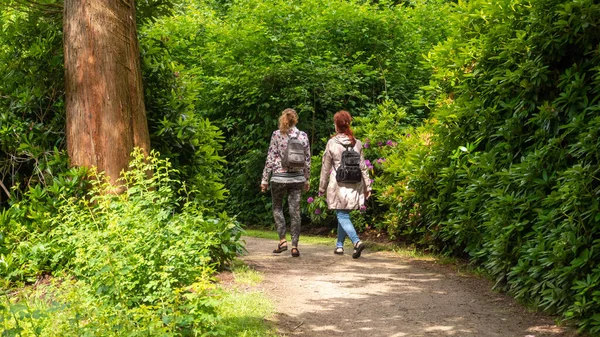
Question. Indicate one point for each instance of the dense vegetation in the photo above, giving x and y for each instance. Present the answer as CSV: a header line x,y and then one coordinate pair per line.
x,y
506,168
481,120
130,262
254,59
138,263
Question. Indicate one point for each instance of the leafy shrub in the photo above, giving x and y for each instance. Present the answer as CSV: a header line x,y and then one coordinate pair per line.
x,y
506,170
134,247
255,59
25,248
32,111
134,254
190,142
66,307
31,100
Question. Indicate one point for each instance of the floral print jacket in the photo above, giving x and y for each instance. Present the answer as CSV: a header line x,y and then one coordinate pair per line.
x,y
278,147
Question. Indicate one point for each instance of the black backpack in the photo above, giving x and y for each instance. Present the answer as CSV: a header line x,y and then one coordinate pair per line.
x,y
349,170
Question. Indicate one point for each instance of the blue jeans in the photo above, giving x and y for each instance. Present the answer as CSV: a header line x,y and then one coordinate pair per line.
x,y
345,228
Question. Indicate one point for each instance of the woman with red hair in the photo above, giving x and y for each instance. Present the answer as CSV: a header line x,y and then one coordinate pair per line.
x,y
344,197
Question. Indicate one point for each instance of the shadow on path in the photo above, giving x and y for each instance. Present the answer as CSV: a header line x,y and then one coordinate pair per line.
x,y
381,294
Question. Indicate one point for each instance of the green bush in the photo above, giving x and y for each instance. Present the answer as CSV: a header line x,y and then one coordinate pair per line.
x,y
31,100
506,170
32,111
253,59
190,142
66,307
25,249
135,247
134,255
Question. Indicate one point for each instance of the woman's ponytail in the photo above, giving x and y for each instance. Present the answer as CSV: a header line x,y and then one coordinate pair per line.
x,y
287,120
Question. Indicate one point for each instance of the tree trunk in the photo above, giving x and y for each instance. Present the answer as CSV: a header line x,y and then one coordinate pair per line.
x,y
106,116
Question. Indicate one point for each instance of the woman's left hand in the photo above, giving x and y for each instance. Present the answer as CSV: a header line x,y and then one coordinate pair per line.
x,y
306,186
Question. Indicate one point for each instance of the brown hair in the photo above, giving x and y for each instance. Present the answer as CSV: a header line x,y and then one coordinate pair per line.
x,y
287,120
342,120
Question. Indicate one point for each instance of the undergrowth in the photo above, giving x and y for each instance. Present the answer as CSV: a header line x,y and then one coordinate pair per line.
x,y
124,264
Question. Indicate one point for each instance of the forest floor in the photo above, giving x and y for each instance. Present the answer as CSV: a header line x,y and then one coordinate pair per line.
x,y
385,294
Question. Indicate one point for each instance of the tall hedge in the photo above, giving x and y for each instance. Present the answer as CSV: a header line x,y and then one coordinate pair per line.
x,y
256,58
507,169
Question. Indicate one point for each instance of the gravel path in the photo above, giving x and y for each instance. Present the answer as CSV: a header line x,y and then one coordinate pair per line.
x,y
382,294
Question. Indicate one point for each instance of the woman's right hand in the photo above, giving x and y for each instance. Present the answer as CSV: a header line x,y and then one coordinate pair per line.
x,y
264,187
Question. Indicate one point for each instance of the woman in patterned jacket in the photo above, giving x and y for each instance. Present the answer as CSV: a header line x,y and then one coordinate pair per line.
x,y
344,197
286,180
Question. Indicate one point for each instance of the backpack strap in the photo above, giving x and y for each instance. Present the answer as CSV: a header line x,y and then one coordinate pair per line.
x,y
295,134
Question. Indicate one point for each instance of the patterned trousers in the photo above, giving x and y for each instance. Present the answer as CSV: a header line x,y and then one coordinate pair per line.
x,y
294,192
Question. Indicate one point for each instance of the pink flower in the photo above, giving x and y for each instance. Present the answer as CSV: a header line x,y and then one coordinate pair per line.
x,y
363,208
366,145
310,200
379,143
407,135
368,163
389,143
318,211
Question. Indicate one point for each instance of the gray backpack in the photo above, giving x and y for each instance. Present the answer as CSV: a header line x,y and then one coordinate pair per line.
x,y
294,156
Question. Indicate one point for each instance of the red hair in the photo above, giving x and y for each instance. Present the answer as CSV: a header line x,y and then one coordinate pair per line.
x,y
342,120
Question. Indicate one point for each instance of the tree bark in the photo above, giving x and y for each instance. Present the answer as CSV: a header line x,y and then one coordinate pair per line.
x,y
106,116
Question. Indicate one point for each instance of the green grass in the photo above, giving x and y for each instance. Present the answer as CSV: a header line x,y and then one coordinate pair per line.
x,y
404,251
244,275
244,310
57,306
272,235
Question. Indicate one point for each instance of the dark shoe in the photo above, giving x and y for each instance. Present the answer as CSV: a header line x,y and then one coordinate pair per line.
x,y
295,252
281,247
358,248
338,251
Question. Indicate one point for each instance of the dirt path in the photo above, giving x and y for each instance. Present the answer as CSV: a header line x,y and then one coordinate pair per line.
x,y
321,294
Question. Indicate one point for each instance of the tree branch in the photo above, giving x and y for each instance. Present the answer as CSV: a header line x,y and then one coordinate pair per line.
x,y
5,189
